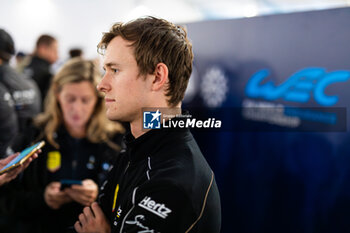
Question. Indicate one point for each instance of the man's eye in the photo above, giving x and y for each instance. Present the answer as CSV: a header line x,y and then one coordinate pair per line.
x,y
114,70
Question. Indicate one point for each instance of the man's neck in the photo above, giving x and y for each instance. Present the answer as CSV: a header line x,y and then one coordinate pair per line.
x,y
42,57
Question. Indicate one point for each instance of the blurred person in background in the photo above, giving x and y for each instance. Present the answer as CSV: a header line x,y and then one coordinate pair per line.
x,y
22,60
19,97
81,145
8,121
75,52
45,54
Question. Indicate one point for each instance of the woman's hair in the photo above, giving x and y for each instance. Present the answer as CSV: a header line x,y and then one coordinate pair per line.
x,y
99,128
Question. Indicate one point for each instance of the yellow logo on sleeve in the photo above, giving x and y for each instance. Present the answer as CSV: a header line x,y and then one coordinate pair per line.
x,y
53,162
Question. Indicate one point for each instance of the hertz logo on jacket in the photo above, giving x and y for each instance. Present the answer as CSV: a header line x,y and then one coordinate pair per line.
x,y
159,209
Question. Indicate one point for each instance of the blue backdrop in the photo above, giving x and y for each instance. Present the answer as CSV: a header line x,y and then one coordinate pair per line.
x,y
281,86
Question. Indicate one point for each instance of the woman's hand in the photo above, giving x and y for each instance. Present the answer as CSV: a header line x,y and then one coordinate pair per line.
x,y
54,197
84,194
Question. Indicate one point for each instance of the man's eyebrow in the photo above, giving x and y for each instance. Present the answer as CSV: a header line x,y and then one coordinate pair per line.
x,y
109,64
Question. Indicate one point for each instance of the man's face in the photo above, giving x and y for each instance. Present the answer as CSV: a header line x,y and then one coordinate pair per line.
x,y
48,52
52,52
125,91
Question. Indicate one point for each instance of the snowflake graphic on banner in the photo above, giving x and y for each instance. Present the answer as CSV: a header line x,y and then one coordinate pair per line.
x,y
214,87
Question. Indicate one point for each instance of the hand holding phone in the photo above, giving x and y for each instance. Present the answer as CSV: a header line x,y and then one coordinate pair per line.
x,y
4,178
84,194
54,197
20,159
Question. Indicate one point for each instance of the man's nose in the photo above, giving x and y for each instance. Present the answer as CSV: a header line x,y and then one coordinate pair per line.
x,y
103,85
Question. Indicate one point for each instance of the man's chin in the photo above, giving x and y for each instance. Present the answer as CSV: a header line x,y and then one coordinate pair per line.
x,y
112,117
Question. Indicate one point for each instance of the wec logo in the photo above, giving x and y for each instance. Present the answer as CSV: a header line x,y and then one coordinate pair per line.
x,y
298,87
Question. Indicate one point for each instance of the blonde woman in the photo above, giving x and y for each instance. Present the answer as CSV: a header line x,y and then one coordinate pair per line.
x,y
80,145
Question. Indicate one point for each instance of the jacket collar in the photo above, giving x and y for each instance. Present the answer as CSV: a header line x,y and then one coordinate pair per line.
x,y
151,141
38,60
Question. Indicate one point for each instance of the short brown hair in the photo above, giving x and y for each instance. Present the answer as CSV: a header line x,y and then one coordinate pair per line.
x,y
45,40
157,41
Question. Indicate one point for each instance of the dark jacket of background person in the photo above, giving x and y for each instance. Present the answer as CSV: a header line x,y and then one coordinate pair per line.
x,y
23,91
8,120
39,70
24,203
25,94
44,55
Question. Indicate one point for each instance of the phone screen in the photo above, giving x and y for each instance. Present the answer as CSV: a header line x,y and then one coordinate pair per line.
x,y
68,183
22,156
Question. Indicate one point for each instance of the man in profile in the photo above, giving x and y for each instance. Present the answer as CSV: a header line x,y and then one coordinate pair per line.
x,y
162,183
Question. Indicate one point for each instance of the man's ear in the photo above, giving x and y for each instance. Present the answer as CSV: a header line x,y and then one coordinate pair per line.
x,y
160,77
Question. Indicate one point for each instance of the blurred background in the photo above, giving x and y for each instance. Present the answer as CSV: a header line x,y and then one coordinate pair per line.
x,y
276,72
81,22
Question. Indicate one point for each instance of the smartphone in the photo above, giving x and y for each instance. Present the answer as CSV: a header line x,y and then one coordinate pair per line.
x,y
67,183
22,157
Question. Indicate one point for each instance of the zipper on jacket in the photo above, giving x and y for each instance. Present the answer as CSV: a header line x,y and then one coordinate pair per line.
x,y
127,166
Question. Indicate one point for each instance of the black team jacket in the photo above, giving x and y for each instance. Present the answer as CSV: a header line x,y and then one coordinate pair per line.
x,y
39,70
161,183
